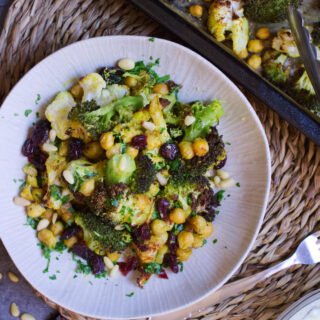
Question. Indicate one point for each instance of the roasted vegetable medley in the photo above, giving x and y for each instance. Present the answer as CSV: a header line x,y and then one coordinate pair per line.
x,y
257,32
123,174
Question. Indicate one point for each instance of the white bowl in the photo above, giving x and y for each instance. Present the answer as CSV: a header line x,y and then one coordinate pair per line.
x,y
236,226
306,308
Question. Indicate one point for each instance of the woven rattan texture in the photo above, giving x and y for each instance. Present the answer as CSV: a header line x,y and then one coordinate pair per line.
x,y
36,28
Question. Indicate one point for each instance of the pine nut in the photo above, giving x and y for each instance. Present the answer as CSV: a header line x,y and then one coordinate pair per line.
x,y
114,271
13,277
21,202
119,227
228,183
189,120
54,218
27,316
43,223
148,125
126,64
223,174
14,310
162,179
216,180
109,264
48,147
68,176
52,135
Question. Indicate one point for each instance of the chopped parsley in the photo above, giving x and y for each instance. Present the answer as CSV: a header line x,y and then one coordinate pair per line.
x,y
55,192
130,294
152,39
238,184
220,195
155,214
228,143
53,277
27,112
214,241
204,242
38,98
177,228
16,114
47,255
181,266
154,268
32,222
37,114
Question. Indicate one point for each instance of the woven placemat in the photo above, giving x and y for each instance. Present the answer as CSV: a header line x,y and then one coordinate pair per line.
x,y
36,28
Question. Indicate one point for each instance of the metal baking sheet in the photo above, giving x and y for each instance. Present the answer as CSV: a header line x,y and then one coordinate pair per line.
x,y
173,15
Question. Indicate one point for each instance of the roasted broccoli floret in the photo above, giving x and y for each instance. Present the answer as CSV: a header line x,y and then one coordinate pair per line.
x,y
304,93
285,43
274,69
206,117
104,118
144,175
265,11
200,165
101,236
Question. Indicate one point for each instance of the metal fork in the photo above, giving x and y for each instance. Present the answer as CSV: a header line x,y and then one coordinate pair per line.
x,y
308,252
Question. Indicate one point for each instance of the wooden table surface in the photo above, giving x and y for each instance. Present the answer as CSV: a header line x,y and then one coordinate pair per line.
x,y
21,293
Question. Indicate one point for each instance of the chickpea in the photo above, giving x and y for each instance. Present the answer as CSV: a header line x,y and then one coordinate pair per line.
x,y
107,140
37,194
65,215
35,210
198,224
158,227
131,82
77,91
207,232
161,88
243,54
48,238
186,150
93,150
26,193
87,187
63,148
185,239
200,147
263,33
71,242
132,152
32,181
47,214
160,255
177,215
113,150
255,46
254,61
196,11
114,256
197,241
183,254
57,228
160,239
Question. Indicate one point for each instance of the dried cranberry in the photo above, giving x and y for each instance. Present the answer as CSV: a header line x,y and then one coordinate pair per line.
x,y
38,159
75,149
164,102
139,142
96,264
163,274
169,151
163,205
27,148
40,132
142,233
81,250
70,232
170,260
221,164
131,264
172,242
